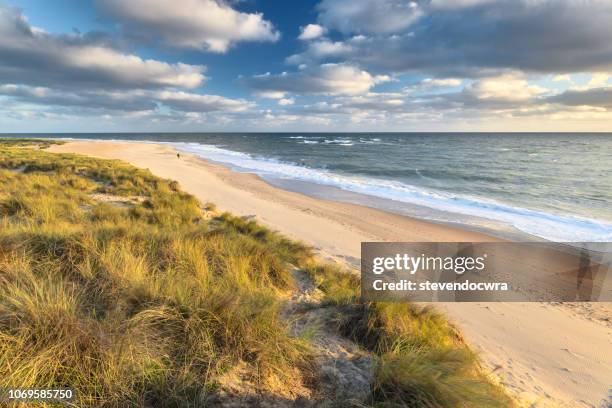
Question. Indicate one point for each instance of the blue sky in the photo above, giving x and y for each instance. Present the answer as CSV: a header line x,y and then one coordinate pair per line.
x,y
328,65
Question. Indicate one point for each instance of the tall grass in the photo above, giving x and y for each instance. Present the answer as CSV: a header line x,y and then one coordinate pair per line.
x,y
137,302
422,359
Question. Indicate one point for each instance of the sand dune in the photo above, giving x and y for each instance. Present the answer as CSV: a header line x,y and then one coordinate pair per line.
x,y
547,354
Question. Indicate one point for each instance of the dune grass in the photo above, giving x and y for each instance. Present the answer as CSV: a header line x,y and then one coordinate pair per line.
x,y
422,359
139,301
119,285
24,142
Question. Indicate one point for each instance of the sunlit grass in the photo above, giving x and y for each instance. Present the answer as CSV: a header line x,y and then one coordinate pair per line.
x,y
137,302
24,142
422,359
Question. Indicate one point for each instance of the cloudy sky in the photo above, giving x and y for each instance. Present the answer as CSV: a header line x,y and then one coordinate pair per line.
x,y
331,65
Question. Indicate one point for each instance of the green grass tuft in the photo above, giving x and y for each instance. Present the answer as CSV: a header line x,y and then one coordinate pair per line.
x,y
422,359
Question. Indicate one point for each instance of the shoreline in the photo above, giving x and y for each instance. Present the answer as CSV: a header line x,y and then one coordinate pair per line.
x,y
493,214
491,228
539,351
229,189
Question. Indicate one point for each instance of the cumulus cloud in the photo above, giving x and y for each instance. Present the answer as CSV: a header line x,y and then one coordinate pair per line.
x,y
330,79
83,99
471,38
481,60
507,93
32,56
599,79
368,16
286,101
311,31
596,97
562,78
511,87
440,82
123,100
373,101
198,24
431,84
270,94
320,50
457,4
191,102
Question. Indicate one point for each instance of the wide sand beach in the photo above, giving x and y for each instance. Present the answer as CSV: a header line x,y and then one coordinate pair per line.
x,y
546,354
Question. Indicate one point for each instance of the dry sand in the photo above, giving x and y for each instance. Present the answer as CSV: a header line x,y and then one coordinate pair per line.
x,y
546,354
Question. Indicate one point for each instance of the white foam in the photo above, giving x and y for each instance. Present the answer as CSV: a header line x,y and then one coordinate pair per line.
x,y
548,226
342,142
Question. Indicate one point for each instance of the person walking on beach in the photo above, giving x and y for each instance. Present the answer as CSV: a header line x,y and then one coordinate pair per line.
x,y
178,155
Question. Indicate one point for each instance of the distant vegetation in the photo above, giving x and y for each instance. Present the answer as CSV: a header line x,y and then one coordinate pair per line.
x,y
15,142
119,285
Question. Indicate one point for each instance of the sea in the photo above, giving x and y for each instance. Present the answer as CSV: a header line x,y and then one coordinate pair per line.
x,y
542,186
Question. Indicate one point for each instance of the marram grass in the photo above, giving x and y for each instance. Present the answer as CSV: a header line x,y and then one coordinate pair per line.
x,y
138,301
422,360
119,285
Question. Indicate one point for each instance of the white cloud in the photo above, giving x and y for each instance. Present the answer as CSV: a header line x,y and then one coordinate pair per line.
x,y
598,79
71,77
473,38
562,78
311,31
270,94
373,101
35,57
440,83
286,101
330,79
131,69
511,87
199,24
433,84
123,100
320,50
192,102
369,16
458,4
131,100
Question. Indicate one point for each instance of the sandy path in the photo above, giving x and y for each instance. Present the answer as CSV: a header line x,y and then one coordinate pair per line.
x,y
346,368
546,354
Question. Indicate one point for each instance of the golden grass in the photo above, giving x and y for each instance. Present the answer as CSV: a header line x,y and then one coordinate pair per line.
x,y
140,304
422,359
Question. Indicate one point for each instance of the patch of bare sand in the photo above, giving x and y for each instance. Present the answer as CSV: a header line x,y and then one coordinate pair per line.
x,y
117,200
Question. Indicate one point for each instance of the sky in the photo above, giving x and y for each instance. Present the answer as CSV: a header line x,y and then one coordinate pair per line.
x,y
327,65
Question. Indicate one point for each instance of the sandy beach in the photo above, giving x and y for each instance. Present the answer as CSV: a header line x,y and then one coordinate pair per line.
x,y
546,354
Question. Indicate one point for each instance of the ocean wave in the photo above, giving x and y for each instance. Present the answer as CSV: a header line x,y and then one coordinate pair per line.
x,y
344,142
545,225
